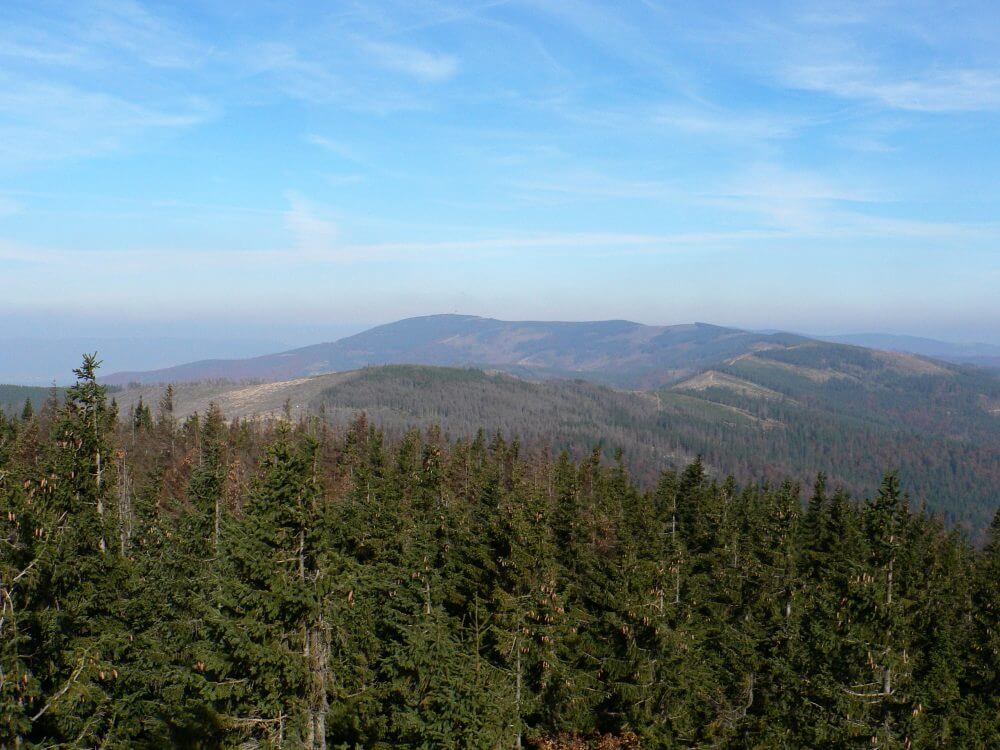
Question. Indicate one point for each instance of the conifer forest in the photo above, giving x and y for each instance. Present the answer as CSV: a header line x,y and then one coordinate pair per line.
x,y
207,583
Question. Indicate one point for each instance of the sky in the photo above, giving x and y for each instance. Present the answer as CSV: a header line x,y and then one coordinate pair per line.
x,y
282,171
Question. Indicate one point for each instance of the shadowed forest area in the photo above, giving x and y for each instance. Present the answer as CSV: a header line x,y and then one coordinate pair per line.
x,y
216,584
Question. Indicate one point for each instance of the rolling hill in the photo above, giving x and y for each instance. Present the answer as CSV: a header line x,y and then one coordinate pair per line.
x,y
981,355
616,352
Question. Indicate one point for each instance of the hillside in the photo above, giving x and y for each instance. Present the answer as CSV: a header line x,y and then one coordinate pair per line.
x,y
13,397
980,355
774,414
572,414
616,352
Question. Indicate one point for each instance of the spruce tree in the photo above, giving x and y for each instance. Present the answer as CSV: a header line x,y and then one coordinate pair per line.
x,y
276,599
529,614
26,535
880,691
81,653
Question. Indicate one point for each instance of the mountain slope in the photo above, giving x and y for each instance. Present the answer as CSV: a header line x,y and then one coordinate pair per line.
x,y
13,397
35,360
982,355
614,352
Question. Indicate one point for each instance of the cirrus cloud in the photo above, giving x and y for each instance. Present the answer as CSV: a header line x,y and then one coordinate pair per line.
x,y
426,67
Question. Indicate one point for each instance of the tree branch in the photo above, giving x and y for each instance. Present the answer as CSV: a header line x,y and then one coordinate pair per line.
x,y
62,691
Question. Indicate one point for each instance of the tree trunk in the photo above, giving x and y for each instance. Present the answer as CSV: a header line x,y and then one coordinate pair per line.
x,y
317,658
677,558
125,507
218,521
888,597
321,659
100,498
517,696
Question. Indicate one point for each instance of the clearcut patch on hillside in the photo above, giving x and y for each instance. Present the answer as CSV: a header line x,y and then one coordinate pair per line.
x,y
809,373
715,379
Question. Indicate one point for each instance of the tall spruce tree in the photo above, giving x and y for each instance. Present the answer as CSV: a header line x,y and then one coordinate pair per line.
x,y
275,601
880,691
81,654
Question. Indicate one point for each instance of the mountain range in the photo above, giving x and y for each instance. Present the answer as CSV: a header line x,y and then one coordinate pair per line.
x,y
614,352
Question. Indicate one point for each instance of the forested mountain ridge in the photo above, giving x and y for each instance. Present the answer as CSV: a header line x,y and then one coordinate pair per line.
x,y
198,583
614,352
982,355
755,417
15,398
863,409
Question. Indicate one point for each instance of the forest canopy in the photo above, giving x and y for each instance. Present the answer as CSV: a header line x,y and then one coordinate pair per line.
x,y
222,584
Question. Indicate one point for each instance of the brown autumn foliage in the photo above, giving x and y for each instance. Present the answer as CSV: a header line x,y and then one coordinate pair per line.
x,y
626,741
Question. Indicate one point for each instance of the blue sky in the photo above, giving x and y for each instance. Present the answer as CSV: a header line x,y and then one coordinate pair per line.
x,y
256,167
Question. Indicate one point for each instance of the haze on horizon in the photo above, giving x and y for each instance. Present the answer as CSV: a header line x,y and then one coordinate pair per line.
x,y
276,173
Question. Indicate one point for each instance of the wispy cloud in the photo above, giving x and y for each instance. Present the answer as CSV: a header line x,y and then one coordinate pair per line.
x,y
314,234
30,46
777,183
91,35
40,120
426,67
316,241
619,34
803,205
593,185
331,146
715,122
866,141
958,90
792,200
68,80
291,72
908,57
330,76
341,180
133,28
580,242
